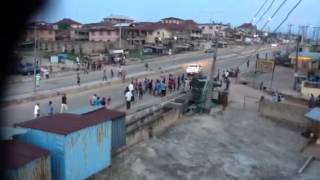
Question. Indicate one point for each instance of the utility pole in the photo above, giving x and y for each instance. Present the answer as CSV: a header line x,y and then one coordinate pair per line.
x,y
289,30
35,59
296,62
120,37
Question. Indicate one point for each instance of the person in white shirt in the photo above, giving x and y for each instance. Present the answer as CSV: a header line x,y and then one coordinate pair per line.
x,y
131,88
36,111
128,97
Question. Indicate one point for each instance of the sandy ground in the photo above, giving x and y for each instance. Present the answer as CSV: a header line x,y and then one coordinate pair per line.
x,y
234,144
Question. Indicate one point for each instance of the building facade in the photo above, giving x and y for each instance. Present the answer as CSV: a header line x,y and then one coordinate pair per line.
x,y
41,31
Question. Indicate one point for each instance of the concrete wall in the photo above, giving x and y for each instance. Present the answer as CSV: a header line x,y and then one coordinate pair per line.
x,y
77,46
287,114
152,124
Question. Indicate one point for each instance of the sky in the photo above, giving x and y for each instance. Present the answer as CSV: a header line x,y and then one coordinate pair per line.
x,y
235,12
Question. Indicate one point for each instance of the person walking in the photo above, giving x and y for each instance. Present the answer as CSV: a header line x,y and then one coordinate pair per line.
x,y
146,65
104,74
312,101
97,102
227,84
50,109
108,101
178,83
103,102
128,97
111,73
36,110
248,63
64,106
93,100
78,79
140,90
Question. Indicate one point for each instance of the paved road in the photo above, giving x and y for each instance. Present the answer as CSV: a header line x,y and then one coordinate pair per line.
x,y
51,84
22,112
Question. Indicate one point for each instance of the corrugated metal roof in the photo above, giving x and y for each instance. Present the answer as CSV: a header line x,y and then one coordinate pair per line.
x,y
105,113
67,123
314,114
16,154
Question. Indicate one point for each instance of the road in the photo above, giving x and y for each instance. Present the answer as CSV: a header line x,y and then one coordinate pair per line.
x,y
22,112
52,84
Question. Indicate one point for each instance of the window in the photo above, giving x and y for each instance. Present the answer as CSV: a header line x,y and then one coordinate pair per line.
x,y
101,33
203,27
93,33
210,27
50,32
109,33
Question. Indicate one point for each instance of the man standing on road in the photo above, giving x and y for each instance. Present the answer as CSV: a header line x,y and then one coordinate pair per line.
x,y
50,109
248,63
78,79
128,97
36,111
104,75
64,106
111,73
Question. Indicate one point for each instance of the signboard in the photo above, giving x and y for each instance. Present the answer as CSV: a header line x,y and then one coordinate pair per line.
x,y
54,59
265,65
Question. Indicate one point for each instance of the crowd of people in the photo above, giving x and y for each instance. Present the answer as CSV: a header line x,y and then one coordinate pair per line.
x,y
50,107
313,101
156,87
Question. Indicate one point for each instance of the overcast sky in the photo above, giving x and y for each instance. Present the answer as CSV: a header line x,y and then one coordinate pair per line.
x,y
235,12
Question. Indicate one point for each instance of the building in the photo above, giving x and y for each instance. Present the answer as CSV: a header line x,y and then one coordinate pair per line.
x,y
212,30
66,23
43,31
102,32
115,19
79,34
248,28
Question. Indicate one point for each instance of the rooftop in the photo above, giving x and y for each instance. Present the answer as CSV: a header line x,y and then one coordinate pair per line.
x,y
67,123
19,153
117,16
68,21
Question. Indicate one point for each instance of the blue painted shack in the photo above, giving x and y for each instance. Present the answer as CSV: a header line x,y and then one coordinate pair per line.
x,y
79,145
117,118
24,161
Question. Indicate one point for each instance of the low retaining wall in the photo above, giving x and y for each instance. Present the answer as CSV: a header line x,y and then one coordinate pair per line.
x,y
287,114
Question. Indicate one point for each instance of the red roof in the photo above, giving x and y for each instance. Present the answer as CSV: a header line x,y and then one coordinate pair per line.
x,y
68,22
16,154
67,123
247,26
99,26
172,18
150,26
105,113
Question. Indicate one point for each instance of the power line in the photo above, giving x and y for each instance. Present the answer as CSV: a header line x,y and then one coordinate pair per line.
x,y
255,16
264,13
274,13
285,19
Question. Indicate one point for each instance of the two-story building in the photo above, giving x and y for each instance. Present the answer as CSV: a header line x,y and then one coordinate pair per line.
x,y
103,31
41,30
70,30
212,30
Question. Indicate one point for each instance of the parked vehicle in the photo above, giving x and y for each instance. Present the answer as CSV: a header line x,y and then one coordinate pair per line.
x,y
27,69
210,50
193,69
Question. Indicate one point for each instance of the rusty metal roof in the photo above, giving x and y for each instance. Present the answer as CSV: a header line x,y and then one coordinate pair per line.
x,y
15,154
105,113
67,123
